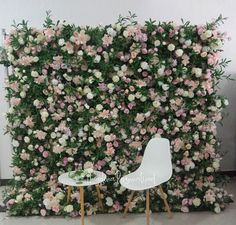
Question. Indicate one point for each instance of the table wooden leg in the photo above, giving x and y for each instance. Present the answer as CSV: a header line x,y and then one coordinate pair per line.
x,y
99,196
165,202
147,207
81,189
69,194
128,204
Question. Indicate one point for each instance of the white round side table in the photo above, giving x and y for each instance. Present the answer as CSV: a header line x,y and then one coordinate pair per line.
x,y
66,180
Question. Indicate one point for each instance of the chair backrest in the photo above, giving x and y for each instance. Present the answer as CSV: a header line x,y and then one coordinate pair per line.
x,y
157,157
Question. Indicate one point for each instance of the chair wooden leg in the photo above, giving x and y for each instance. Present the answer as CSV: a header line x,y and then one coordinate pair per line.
x,y
147,207
165,202
99,197
69,194
128,204
82,204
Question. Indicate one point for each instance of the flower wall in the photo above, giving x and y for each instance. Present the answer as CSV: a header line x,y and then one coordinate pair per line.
x,y
94,96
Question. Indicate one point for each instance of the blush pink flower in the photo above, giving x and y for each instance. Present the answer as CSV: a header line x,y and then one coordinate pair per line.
x,y
40,134
135,144
81,38
139,118
29,121
43,212
58,149
107,40
110,151
25,156
15,101
49,33
69,48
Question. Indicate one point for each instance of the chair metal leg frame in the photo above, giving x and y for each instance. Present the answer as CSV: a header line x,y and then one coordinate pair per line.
x,y
81,189
99,197
147,207
128,204
165,202
69,190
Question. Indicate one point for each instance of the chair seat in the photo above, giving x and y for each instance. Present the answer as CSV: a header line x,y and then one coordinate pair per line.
x,y
140,180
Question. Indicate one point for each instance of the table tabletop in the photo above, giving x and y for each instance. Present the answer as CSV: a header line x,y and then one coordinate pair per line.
x,y
65,179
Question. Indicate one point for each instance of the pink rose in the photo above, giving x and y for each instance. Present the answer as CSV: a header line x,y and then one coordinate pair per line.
x,y
43,212
45,154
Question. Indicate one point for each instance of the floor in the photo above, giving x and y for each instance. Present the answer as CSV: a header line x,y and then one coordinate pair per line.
x,y
228,217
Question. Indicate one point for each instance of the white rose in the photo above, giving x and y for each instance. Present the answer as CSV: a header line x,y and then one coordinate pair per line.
x,y
197,202
217,209
197,72
19,198
115,79
21,41
90,139
171,47
165,87
61,86
61,42
161,70
110,86
209,169
22,94
218,103
97,59
216,165
54,82
157,43
17,178
144,66
99,107
143,98
60,195
69,208
131,97
226,102
50,99
188,42
111,32
30,147
124,68
179,52
34,74
80,53
44,114
90,96
109,201
156,104
15,143
208,33
177,169
98,74
107,138
53,135
26,139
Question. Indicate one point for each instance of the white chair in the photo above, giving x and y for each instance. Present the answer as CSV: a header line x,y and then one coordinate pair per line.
x,y
155,169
